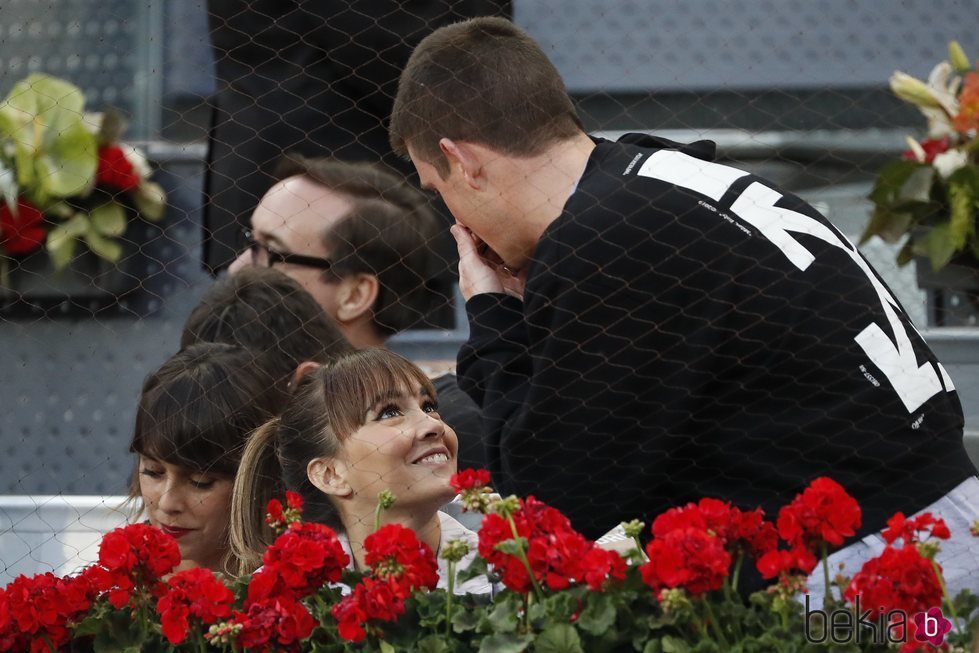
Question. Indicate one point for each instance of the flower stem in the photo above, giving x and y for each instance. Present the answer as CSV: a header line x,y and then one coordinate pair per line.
x,y
716,627
948,599
377,516
448,599
524,560
828,598
47,640
737,572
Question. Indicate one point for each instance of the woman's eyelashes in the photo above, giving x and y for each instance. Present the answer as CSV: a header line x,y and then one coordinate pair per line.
x,y
389,411
197,483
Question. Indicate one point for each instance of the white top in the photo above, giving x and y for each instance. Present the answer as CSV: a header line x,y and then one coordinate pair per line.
x,y
451,530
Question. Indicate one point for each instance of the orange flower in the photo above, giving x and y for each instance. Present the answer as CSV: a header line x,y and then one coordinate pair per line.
x,y
968,115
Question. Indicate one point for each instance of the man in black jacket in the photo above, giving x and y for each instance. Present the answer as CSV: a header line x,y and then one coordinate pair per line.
x,y
649,327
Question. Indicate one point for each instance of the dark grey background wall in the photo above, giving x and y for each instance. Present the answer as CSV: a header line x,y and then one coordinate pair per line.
x,y
799,87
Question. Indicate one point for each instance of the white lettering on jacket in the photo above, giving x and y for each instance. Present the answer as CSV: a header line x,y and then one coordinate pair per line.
x,y
895,358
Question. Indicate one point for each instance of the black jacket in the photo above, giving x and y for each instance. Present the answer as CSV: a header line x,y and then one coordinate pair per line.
x,y
688,330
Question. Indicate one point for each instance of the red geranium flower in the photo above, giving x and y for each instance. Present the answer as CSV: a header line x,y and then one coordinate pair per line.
x,y
192,594
381,599
690,558
21,230
115,170
470,479
784,563
273,624
137,554
898,579
395,551
899,526
740,531
823,512
558,555
299,562
38,609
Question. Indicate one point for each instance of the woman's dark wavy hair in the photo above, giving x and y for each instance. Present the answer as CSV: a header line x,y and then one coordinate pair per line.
x,y
198,409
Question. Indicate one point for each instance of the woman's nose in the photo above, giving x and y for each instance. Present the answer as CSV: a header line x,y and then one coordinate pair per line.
x,y
429,425
171,500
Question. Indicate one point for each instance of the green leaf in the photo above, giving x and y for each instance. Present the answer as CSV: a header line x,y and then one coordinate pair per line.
x,y
505,643
963,194
109,219
103,247
598,616
63,238
674,645
463,620
512,546
891,180
938,246
653,646
918,185
430,644
387,648
560,638
150,200
54,151
503,618
889,225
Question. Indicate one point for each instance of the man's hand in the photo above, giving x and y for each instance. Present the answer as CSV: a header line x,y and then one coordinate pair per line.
x,y
481,270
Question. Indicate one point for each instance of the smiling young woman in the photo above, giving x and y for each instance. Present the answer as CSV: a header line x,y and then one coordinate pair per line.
x,y
193,417
364,423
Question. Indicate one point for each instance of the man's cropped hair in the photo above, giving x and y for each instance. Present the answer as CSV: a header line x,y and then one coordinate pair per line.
x,y
485,81
389,232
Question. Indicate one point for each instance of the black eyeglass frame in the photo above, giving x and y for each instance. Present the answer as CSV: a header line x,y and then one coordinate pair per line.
x,y
275,256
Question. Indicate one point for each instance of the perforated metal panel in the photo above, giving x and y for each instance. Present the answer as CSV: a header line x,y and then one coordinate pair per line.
x,y
712,45
70,386
100,45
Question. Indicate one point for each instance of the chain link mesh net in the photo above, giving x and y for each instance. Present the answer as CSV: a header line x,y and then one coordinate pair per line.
x,y
214,95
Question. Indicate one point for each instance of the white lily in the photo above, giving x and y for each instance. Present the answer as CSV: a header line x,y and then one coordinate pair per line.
x,y
8,186
948,162
137,159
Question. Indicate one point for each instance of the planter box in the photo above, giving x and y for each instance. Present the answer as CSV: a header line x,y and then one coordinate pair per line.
x,y
952,292
87,285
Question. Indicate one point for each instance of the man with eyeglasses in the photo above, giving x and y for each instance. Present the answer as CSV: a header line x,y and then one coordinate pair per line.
x,y
361,242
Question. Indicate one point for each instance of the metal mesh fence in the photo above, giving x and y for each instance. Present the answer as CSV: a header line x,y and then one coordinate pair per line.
x,y
211,98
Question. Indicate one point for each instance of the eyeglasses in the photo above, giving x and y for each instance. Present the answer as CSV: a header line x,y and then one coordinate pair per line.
x,y
265,257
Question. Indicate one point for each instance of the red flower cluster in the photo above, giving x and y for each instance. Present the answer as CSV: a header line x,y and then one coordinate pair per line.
x,y
22,229
115,170
132,556
898,579
280,519
558,555
741,532
786,563
38,609
195,593
299,562
372,599
470,479
823,512
278,624
688,557
396,552
135,555
400,564
927,524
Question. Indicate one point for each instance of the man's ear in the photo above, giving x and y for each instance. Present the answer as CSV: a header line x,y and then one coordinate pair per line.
x,y
466,160
356,296
302,370
327,475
